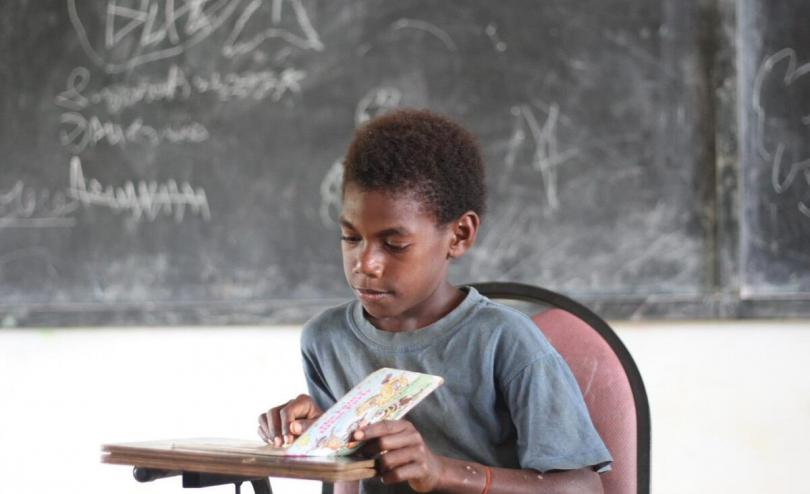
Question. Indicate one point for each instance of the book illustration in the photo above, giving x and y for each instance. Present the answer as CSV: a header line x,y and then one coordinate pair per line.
x,y
385,394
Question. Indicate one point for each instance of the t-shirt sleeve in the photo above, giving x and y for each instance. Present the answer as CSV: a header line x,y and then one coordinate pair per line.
x,y
554,428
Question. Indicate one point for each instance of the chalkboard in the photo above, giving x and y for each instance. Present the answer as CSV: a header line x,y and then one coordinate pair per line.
x,y
179,162
775,157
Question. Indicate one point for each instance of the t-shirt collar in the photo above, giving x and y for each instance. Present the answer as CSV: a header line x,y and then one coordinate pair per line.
x,y
418,338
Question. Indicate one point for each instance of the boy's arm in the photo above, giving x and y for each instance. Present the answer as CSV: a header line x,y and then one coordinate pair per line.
x,y
460,478
406,458
463,476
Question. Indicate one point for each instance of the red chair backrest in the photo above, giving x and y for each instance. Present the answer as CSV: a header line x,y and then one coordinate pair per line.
x,y
606,390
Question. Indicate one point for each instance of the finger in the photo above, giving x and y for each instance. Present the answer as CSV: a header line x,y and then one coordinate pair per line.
x,y
403,473
302,407
275,426
264,436
393,459
387,444
384,428
390,437
265,427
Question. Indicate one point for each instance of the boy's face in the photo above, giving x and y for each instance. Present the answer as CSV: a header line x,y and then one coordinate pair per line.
x,y
395,259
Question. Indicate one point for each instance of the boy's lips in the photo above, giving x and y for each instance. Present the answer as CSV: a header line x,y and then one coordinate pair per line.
x,y
371,293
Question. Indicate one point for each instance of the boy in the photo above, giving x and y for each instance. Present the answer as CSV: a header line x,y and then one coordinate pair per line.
x,y
509,417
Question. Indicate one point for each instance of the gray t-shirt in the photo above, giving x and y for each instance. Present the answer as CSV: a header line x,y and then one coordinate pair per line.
x,y
508,400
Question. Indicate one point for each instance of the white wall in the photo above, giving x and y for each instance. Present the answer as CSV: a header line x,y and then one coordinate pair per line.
x,y
730,404
730,401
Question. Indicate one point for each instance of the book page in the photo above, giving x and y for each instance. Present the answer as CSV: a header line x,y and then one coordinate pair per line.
x,y
224,445
385,394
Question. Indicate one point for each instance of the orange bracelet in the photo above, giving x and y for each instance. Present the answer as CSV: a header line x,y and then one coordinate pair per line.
x,y
488,482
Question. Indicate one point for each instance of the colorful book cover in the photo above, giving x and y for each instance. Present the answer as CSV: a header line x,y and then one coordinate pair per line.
x,y
385,394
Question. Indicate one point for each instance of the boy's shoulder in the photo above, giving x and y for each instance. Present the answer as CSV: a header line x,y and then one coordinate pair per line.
x,y
509,325
495,311
327,320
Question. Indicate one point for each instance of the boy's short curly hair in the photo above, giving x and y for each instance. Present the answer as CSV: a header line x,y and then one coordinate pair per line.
x,y
419,152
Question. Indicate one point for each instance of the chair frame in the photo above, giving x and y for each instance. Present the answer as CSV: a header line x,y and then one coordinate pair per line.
x,y
537,295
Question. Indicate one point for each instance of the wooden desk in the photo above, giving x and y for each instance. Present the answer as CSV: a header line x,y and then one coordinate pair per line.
x,y
234,459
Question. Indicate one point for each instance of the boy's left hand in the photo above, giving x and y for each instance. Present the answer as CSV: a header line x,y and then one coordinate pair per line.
x,y
404,456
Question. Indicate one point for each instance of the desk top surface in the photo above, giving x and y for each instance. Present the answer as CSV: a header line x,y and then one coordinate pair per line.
x,y
234,457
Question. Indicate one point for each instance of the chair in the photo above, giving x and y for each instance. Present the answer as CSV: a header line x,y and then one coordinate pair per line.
x,y
606,373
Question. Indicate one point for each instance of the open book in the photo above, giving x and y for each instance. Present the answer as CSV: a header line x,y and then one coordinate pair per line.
x,y
385,394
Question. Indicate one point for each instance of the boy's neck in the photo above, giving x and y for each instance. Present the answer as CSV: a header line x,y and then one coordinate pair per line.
x,y
446,298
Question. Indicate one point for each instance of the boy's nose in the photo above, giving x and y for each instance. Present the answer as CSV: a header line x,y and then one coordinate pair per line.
x,y
369,262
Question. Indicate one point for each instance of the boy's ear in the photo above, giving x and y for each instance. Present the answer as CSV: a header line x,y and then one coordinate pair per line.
x,y
463,233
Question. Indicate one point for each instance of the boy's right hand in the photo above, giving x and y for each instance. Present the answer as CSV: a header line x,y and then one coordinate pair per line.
x,y
280,425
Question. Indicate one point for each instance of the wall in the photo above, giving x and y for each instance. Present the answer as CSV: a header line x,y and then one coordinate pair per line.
x,y
730,401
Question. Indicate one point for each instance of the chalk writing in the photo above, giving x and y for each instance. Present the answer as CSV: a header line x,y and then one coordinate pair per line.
x,y
72,97
136,33
256,85
25,207
177,85
376,102
545,156
79,132
307,39
492,33
427,27
787,157
331,194
146,200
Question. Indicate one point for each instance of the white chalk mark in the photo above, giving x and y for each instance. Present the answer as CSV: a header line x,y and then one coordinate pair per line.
x,y
151,36
780,185
546,157
515,143
177,85
79,132
376,102
72,97
138,29
309,41
134,17
195,31
792,72
492,33
24,207
429,28
144,200
783,175
331,194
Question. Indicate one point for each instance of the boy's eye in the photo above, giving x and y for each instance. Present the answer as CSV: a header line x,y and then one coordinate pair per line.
x,y
349,238
396,247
